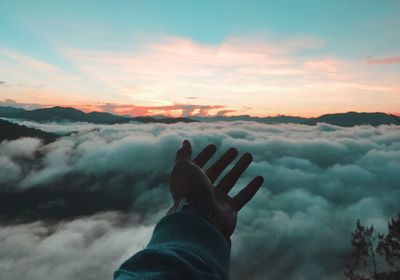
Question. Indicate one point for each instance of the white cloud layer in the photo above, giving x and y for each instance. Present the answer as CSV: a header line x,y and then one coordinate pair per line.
x,y
91,199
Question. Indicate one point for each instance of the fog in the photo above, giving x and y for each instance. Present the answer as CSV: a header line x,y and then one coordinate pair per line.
x,y
77,207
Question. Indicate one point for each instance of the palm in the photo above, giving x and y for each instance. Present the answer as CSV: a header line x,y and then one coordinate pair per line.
x,y
189,180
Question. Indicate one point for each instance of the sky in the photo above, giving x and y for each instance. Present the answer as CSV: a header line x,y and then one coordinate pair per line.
x,y
175,58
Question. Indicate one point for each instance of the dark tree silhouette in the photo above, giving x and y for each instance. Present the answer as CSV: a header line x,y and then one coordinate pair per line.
x,y
389,245
362,264
374,256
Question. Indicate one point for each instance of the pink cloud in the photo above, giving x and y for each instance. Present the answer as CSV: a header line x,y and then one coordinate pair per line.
x,y
28,61
384,60
183,58
265,76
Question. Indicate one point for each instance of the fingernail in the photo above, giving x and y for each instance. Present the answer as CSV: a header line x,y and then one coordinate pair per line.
x,y
185,142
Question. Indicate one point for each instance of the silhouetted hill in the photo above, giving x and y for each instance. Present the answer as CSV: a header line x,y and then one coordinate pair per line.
x,y
10,110
73,115
12,131
354,118
266,120
105,118
341,119
165,120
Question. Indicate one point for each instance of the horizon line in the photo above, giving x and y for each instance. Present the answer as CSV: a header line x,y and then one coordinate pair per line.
x,y
82,108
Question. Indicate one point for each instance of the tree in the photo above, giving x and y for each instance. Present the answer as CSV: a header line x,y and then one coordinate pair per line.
x,y
374,256
362,264
389,245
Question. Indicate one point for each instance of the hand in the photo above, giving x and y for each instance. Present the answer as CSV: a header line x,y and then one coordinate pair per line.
x,y
188,180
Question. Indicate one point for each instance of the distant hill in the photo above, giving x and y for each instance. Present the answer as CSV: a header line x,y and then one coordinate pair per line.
x,y
354,118
348,119
60,114
73,115
12,131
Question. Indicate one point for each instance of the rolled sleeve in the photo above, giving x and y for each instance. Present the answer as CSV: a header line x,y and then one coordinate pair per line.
x,y
182,243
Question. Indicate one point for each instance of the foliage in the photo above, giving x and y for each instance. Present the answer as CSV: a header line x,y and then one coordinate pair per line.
x,y
374,256
389,245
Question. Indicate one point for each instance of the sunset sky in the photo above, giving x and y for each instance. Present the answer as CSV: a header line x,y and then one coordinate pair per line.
x,y
177,58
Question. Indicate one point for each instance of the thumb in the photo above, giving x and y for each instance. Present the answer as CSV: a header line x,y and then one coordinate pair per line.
x,y
184,152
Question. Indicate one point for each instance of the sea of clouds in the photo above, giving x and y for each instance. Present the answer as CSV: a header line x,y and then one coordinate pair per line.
x,y
78,207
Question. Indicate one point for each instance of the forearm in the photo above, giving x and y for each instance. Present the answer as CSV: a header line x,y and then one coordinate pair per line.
x,y
184,245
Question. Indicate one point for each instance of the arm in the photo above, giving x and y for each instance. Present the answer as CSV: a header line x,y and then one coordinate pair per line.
x,y
184,246
193,240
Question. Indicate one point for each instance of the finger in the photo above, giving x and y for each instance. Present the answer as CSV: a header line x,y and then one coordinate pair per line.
x,y
205,155
248,192
184,152
216,169
230,179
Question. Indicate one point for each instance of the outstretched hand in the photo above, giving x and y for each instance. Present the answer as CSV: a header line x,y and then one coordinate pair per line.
x,y
189,181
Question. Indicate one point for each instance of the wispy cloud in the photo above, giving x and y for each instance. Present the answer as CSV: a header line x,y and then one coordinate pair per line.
x,y
384,60
159,74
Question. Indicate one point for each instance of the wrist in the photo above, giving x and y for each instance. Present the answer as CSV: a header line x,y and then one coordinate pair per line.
x,y
189,232
206,210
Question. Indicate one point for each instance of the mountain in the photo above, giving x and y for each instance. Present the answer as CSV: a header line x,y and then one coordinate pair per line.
x,y
11,110
73,115
340,119
266,120
354,118
12,131
105,118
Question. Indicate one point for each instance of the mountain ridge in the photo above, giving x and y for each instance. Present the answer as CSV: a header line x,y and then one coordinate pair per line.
x,y
58,113
347,119
13,131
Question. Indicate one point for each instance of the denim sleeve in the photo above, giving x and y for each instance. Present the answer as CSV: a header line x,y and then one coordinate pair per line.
x,y
184,245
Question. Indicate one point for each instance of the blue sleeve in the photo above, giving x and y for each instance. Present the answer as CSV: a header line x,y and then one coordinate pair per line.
x,y
184,245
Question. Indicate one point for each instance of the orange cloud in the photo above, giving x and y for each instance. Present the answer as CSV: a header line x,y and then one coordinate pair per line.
x,y
384,60
175,110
